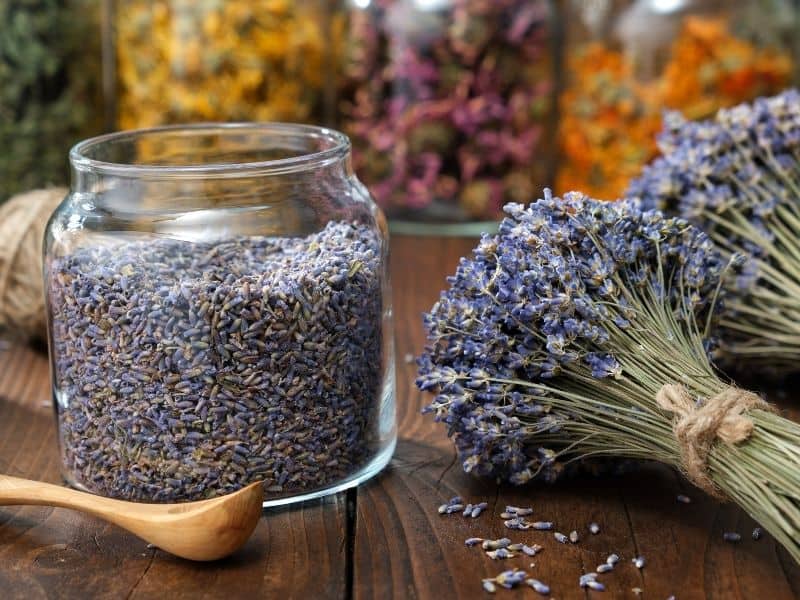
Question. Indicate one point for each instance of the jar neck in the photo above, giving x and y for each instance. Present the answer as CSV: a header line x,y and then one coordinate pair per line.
x,y
187,168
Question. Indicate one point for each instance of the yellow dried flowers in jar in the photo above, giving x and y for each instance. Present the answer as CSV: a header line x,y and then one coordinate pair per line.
x,y
223,60
626,66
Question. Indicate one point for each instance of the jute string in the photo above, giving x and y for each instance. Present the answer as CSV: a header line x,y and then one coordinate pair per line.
x,y
723,417
22,222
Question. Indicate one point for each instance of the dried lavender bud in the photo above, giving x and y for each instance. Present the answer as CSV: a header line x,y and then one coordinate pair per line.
x,y
586,578
595,585
560,537
511,578
604,568
478,509
454,508
638,562
442,509
730,536
612,559
574,537
489,586
518,523
496,544
519,512
473,541
542,525
538,586
757,533
531,550
507,515
186,370
455,500
683,499
515,547
467,510
500,553
594,528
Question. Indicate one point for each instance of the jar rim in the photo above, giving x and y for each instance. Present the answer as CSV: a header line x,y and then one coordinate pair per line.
x,y
338,148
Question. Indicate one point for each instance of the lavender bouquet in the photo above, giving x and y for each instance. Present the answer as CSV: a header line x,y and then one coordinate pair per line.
x,y
583,330
737,176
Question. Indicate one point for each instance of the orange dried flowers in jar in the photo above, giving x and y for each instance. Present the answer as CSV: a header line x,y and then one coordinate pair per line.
x,y
625,67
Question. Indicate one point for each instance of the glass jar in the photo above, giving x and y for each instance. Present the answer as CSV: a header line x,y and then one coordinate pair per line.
x,y
447,103
628,61
50,89
219,314
179,61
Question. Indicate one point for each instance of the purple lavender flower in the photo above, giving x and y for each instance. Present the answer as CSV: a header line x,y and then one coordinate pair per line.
x,y
737,176
571,295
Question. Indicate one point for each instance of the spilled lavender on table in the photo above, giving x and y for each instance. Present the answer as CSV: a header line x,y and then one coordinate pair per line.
x,y
188,370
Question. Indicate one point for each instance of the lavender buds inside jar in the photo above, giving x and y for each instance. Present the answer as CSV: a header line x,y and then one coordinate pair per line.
x,y
195,351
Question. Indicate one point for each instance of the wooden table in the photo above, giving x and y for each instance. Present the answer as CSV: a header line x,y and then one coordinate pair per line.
x,y
385,539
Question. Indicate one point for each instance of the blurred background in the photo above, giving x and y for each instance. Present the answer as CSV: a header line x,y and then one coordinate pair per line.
x,y
454,107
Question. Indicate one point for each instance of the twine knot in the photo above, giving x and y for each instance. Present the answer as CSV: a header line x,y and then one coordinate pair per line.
x,y
697,427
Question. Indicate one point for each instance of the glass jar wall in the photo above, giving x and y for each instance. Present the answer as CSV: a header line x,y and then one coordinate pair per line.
x,y
447,103
219,314
50,88
628,61
223,60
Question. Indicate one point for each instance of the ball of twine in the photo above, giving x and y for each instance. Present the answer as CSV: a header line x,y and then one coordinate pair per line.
x,y
23,219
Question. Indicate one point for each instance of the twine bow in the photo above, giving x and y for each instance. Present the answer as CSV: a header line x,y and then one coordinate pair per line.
x,y
698,427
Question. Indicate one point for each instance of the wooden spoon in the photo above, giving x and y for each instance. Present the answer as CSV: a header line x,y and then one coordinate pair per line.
x,y
204,530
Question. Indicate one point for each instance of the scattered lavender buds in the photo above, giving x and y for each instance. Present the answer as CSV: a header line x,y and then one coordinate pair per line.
x,y
478,509
542,525
531,550
560,538
189,370
519,511
511,578
496,544
489,586
638,562
757,532
683,499
595,585
538,586
612,559
518,523
584,579
574,537
500,553
594,528
604,568
473,541
731,536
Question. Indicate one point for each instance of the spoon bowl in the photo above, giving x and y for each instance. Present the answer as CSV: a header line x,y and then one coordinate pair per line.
x,y
204,530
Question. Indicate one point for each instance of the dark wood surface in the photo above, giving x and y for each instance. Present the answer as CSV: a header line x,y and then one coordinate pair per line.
x,y
386,540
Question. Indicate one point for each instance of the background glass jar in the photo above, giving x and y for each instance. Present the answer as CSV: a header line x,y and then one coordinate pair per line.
x,y
223,60
50,88
627,61
447,103
219,314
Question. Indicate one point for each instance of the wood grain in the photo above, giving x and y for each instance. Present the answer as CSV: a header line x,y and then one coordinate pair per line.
x,y
386,540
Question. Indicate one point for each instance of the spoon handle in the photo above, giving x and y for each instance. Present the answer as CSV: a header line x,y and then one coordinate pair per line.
x,y
16,491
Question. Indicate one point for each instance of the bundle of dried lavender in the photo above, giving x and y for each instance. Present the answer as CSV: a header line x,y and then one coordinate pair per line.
x,y
583,330
737,176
